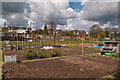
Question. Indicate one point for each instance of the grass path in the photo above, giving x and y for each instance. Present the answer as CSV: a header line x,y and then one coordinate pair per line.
x,y
97,55
0,61
44,59
112,76
0,64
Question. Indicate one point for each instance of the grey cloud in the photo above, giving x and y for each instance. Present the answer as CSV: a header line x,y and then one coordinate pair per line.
x,y
47,11
101,11
19,20
42,13
13,7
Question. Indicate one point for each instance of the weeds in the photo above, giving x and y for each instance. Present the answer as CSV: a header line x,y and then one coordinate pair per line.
x,y
41,54
30,55
116,56
55,53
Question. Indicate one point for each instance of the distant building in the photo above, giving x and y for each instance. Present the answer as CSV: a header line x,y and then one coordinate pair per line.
x,y
17,29
80,37
13,33
37,30
79,32
75,32
68,37
59,33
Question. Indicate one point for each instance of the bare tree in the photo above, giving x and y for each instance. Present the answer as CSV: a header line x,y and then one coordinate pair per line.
x,y
5,30
53,30
94,31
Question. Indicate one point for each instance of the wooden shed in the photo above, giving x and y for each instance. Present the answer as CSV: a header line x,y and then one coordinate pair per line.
x,y
111,47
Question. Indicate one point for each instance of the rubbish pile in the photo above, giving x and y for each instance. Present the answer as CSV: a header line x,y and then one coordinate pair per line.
x,y
48,47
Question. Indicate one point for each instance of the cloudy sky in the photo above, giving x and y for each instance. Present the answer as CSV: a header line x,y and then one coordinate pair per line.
x,y
67,15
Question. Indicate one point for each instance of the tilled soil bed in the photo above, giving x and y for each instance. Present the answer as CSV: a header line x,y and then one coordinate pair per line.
x,y
78,44
69,67
64,52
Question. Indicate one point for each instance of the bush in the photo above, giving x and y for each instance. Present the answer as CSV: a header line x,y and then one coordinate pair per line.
x,y
30,55
55,53
116,56
52,53
41,55
30,51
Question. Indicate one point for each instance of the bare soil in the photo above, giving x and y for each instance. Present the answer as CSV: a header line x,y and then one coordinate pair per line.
x,y
78,44
70,67
64,52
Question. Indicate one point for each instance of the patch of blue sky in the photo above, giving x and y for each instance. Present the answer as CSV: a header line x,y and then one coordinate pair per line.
x,y
28,9
76,6
27,4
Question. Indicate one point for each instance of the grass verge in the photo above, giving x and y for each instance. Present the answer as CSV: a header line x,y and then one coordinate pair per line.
x,y
50,58
112,76
44,59
0,64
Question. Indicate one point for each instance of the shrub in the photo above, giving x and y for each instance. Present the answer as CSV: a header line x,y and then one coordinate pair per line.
x,y
52,53
30,55
116,56
55,53
30,51
41,55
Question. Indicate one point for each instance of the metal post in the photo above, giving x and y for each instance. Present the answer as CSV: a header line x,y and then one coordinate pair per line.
x,y
55,37
119,44
26,41
22,40
82,47
17,41
118,47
